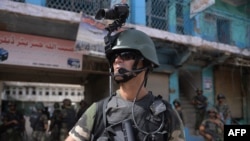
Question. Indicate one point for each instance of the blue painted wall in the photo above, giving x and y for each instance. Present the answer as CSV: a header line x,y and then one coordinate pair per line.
x,y
208,84
205,26
138,12
173,87
36,2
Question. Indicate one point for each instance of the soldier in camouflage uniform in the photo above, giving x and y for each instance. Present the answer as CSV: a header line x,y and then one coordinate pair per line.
x,y
178,108
14,124
200,103
56,121
68,119
223,109
39,123
145,115
212,128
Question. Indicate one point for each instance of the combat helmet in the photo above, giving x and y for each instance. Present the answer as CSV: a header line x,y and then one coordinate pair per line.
x,y
56,105
39,106
66,102
220,96
132,39
212,109
177,102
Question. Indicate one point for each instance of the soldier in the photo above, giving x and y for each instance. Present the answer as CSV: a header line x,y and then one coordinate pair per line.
x,y
39,123
132,112
200,103
223,109
83,107
212,128
178,108
56,121
68,117
14,124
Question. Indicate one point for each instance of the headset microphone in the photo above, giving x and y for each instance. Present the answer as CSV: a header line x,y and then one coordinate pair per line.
x,y
122,71
132,72
126,74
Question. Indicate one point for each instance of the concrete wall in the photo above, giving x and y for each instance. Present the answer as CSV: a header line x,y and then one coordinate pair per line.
x,y
97,88
158,83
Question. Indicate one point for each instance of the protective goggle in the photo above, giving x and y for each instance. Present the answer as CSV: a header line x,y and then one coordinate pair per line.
x,y
125,56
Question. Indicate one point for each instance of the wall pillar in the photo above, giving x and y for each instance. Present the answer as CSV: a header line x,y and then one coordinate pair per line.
x,y
96,88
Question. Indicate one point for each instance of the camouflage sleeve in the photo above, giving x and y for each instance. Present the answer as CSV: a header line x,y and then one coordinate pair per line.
x,y
82,129
176,126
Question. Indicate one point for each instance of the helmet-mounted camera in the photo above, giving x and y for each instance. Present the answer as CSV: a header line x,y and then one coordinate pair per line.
x,y
119,13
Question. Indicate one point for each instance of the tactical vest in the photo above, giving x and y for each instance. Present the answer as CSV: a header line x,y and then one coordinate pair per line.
x,y
126,130
70,119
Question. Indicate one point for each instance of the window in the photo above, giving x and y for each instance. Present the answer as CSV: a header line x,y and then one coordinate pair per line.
x,y
223,31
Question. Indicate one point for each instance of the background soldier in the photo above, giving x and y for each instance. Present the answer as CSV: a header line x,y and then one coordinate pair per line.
x,y
14,124
55,125
212,128
200,103
178,108
223,109
83,107
39,123
68,117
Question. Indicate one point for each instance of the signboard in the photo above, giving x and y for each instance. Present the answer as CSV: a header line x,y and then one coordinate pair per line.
x,y
90,37
36,51
91,33
199,5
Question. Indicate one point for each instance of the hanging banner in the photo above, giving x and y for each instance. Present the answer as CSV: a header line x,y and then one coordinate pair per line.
x,y
91,33
90,37
197,6
36,51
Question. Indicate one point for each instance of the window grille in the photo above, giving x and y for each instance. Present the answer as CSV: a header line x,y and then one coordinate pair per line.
x,y
87,6
161,13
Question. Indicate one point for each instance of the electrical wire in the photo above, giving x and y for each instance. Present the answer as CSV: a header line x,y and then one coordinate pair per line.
x,y
133,116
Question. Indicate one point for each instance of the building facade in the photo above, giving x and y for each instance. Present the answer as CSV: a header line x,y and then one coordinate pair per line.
x,y
200,43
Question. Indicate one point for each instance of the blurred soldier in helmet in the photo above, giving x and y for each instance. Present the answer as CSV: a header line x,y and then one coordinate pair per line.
x,y
14,123
212,128
56,121
39,123
178,108
200,103
133,112
83,107
68,118
223,109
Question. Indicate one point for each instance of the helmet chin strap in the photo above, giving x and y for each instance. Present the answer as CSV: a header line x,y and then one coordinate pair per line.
x,y
126,74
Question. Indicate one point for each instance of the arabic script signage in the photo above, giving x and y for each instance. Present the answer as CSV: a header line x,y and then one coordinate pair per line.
x,y
36,51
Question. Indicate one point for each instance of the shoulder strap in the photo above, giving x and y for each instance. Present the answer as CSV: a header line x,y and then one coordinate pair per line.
x,y
100,121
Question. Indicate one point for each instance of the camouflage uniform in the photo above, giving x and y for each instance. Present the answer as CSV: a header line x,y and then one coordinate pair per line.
x,y
200,103
120,110
212,126
83,107
223,109
13,122
55,125
39,124
68,119
177,106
